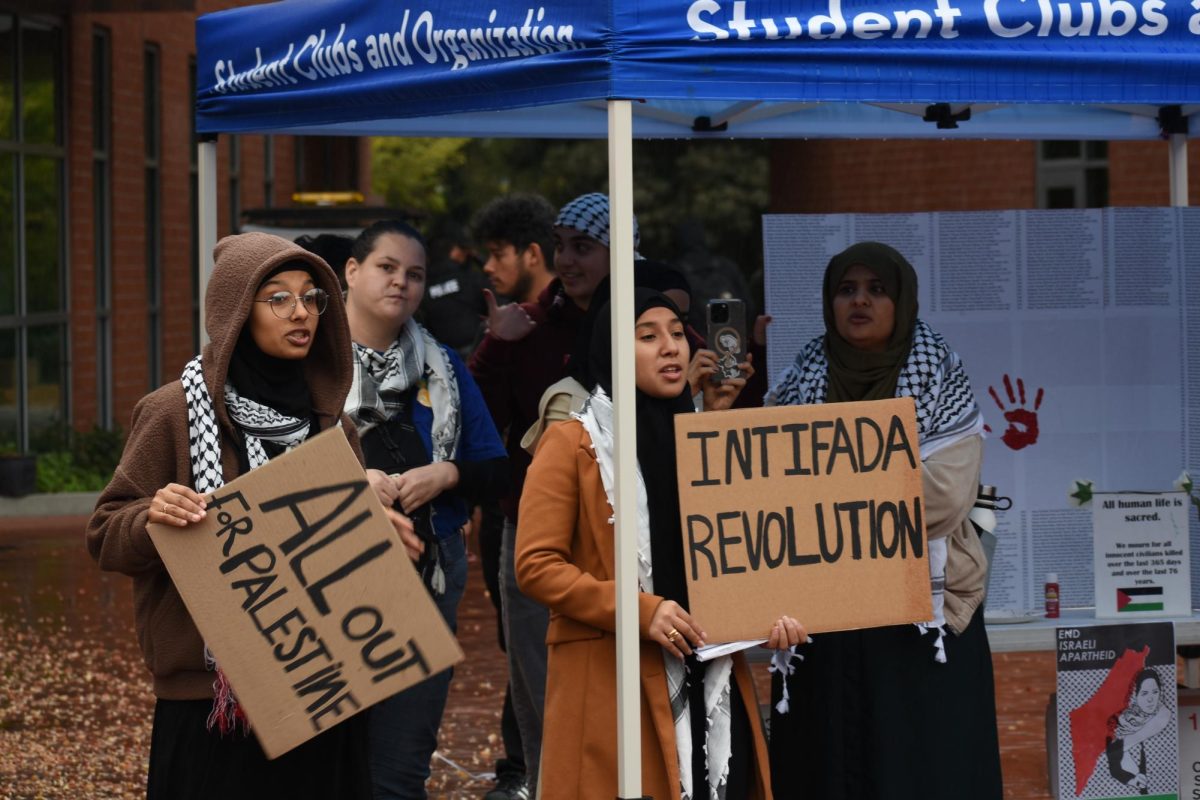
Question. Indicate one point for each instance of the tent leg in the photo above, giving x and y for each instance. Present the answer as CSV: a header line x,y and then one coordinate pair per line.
x,y
620,187
1179,169
206,171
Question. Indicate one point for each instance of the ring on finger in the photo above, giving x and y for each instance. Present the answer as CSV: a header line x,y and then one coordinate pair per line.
x,y
672,635
164,508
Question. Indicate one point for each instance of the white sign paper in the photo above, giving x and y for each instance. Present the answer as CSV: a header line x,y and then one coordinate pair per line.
x,y
1140,546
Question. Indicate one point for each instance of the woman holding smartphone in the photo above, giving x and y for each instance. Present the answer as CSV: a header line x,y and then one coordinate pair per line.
x,y
700,732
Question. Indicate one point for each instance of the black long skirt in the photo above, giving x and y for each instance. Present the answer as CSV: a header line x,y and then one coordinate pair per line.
x,y
188,761
874,717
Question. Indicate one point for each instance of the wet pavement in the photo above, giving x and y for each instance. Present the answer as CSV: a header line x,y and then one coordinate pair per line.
x,y
75,700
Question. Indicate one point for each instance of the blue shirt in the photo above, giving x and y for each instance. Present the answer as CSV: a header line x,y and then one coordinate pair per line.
x,y
477,441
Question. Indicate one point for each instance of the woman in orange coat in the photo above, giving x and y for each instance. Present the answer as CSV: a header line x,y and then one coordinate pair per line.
x,y
712,745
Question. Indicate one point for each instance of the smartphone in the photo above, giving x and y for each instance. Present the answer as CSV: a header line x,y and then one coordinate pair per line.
x,y
727,336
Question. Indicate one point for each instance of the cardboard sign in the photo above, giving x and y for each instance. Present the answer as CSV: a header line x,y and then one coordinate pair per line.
x,y
1140,542
811,511
1116,711
305,595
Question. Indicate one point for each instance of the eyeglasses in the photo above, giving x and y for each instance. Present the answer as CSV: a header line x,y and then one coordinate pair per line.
x,y
283,304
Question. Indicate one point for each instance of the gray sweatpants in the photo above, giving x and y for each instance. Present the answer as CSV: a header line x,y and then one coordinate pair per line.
x,y
525,625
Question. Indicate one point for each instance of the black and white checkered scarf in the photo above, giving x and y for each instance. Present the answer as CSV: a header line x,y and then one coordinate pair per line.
x,y
257,422
589,213
597,419
934,377
381,380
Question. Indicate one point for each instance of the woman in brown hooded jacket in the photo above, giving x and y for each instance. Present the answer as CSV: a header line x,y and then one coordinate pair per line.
x,y
269,377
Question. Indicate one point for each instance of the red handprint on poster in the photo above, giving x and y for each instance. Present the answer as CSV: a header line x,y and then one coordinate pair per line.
x,y
1022,428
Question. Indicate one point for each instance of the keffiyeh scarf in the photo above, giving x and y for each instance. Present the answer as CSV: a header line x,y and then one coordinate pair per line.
x,y
257,423
597,419
382,379
934,377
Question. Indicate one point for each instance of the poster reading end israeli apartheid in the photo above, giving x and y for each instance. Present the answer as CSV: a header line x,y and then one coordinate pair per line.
x,y
1116,710
811,511
1141,554
305,595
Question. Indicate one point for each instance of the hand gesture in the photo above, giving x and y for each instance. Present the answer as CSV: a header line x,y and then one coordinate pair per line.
x,y
384,487
419,485
176,504
675,630
509,323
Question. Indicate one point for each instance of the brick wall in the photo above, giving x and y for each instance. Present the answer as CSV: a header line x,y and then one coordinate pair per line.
x,y
836,176
130,33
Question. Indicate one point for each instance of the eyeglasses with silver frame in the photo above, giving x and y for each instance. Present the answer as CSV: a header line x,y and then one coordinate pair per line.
x,y
283,304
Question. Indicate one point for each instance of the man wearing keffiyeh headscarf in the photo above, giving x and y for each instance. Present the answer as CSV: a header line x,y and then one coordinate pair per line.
x,y
512,371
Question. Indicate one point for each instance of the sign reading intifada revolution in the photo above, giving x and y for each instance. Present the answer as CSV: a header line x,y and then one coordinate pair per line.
x,y
811,511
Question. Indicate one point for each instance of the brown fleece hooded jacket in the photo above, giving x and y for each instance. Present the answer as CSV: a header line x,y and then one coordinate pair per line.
x,y
156,452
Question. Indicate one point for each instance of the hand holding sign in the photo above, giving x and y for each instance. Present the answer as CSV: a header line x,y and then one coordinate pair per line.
x,y
786,633
675,630
176,504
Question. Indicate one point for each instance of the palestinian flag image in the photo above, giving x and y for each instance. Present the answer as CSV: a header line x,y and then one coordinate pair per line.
x,y
1140,598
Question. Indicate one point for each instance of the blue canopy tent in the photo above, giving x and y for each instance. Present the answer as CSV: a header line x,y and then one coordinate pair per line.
x,y
1027,69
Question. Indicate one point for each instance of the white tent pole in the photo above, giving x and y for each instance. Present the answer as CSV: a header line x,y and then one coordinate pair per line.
x,y
206,173
620,188
1179,169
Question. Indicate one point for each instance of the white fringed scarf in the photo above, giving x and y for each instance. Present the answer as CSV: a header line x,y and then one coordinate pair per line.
x,y
597,419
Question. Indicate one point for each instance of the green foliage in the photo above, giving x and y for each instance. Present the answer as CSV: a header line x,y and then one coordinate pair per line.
x,y
411,173
721,184
77,461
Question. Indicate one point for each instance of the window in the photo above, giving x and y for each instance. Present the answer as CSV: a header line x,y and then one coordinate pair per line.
x,y
102,219
1072,174
153,146
326,163
33,318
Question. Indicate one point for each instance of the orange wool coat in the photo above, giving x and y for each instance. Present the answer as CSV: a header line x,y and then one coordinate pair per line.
x,y
564,560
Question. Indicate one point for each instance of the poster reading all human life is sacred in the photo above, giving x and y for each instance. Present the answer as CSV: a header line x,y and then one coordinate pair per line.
x,y
1141,554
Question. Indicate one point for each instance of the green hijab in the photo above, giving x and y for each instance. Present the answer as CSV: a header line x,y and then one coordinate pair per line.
x,y
856,374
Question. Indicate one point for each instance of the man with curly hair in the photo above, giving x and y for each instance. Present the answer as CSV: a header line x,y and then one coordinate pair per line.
x,y
517,233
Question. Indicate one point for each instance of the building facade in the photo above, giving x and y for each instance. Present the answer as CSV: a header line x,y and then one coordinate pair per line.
x,y
98,206
897,175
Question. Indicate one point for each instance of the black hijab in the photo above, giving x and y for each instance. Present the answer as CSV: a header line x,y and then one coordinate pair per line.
x,y
856,374
655,449
647,274
656,460
275,382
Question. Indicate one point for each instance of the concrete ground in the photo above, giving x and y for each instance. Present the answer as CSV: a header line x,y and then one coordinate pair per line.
x,y
75,702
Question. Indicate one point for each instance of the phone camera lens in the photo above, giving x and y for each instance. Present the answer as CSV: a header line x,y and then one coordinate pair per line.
x,y
720,313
